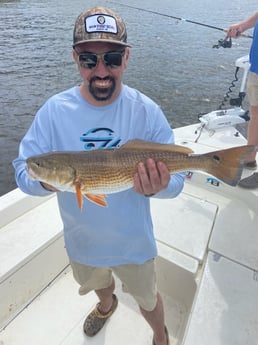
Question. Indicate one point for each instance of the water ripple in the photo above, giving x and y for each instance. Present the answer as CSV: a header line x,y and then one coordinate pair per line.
x,y
171,61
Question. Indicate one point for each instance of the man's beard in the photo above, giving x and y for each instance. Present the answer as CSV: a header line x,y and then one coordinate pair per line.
x,y
100,93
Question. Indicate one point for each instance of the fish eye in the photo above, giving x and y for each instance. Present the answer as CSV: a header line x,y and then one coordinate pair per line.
x,y
38,164
216,158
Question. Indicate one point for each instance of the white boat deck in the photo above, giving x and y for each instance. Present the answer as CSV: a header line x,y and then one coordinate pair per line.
x,y
226,308
37,302
195,224
59,312
207,268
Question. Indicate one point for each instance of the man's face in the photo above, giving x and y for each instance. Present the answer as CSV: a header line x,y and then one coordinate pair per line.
x,y
101,66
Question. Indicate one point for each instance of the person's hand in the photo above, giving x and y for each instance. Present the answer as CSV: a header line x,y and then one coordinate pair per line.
x,y
49,187
234,31
151,177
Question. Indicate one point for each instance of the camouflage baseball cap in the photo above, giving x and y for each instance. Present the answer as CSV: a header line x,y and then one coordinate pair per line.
x,y
99,24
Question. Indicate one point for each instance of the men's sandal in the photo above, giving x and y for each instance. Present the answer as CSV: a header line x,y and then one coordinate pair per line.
x,y
167,336
96,319
250,182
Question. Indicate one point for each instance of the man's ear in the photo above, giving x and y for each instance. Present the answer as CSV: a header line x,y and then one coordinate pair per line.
x,y
127,55
75,56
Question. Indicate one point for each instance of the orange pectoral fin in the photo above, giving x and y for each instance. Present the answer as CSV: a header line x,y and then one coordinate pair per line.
x,y
98,199
78,192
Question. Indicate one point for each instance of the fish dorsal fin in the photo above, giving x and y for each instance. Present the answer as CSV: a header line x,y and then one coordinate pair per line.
x,y
142,145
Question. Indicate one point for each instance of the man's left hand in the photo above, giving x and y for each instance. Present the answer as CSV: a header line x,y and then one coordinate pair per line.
x,y
151,177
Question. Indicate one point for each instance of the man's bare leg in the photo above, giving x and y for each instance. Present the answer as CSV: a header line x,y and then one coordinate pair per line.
x,y
155,319
252,134
106,297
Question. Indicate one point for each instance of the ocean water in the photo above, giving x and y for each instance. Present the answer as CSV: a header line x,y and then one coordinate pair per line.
x,y
172,61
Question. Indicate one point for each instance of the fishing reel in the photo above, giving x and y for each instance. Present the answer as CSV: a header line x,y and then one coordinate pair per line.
x,y
224,43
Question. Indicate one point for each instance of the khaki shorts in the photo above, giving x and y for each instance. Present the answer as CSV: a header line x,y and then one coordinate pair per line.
x,y
138,280
252,88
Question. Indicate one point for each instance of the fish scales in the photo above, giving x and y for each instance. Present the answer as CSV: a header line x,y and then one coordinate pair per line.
x,y
116,168
106,171
98,171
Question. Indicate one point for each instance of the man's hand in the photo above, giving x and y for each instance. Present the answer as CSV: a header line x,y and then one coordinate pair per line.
x,y
234,31
151,177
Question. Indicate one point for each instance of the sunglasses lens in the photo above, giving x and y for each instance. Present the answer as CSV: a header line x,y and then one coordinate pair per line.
x,y
88,60
113,59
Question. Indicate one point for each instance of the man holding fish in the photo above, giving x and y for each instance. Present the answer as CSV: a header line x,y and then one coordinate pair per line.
x,y
113,147
103,113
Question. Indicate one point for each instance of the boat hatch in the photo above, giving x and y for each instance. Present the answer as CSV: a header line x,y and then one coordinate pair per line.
x,y
189,226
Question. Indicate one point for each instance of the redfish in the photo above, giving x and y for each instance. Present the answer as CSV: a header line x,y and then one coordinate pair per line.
x,y
95,173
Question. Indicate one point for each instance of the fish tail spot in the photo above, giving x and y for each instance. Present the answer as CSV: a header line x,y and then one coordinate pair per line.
x,y
216,158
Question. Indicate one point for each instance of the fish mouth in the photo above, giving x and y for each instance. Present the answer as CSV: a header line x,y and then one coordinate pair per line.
x,y
31,173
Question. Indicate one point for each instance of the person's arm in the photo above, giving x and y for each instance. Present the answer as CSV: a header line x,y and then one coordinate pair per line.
x,y
153,178
35,141
236,29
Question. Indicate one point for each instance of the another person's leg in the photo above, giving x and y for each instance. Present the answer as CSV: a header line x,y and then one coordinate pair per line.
x,y
251,182
252,134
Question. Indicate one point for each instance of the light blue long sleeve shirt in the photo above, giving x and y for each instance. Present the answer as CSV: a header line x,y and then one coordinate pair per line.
x,y
121,233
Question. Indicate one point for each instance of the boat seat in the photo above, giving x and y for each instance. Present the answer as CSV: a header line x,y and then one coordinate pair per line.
x,y
30,258
15,203
177,258
225,309
183,267
189,227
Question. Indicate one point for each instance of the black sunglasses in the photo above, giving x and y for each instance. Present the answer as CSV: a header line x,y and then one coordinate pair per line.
x,y
110,59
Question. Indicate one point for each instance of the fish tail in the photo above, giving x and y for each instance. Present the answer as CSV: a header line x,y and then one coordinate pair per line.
x,y
227,165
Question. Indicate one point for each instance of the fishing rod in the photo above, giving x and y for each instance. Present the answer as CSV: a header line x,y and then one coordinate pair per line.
x,y
178,18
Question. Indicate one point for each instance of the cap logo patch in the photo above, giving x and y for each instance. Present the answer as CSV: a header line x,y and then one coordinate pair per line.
x,y
100,23
101,20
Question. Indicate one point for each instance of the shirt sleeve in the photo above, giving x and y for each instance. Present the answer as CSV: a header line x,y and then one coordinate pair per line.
x,y
163,133
35,142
